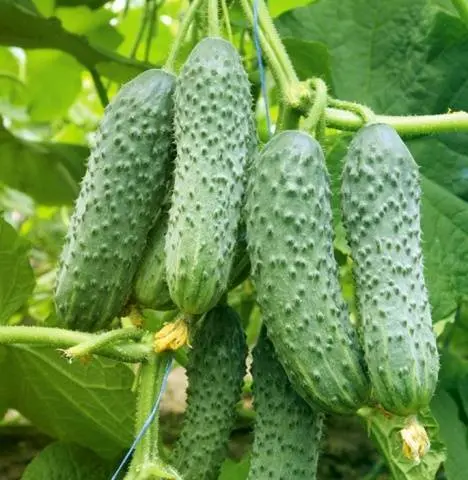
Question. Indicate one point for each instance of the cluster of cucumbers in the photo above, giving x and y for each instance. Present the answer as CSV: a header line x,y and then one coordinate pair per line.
x,y
179,205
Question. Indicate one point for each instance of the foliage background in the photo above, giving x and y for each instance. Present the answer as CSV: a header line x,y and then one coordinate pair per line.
x,y
59,59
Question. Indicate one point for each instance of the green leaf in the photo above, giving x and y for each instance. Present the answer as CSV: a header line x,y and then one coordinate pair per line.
x,y
453,432
94,24
385,432
48,172
375,46
310,59
23,27
445,247
277,7
444,160
59,461
51,71
90,404
16,279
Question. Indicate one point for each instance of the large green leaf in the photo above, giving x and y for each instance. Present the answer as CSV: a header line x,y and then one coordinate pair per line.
x,y
445,227
96,25
51,71
310,59
16,278
60,461
23,27
48,172
453,432
90,404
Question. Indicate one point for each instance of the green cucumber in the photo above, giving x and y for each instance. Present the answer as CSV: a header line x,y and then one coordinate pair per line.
x,y
215,373
287,431
150,288
290,243
213,131
120,197
381,214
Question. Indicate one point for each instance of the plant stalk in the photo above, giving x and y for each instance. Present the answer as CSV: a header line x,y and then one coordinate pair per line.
x,y
99,341
62,339
178,42
406,126
214,29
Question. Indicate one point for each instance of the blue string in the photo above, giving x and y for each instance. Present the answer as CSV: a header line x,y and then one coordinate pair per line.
x,y
261,69
147,423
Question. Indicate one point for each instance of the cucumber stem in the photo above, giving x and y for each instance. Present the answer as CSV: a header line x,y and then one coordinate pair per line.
x,y
61,339
363,111
275,66
179,40
227,21
214,28
316,113
96,342
406,126
153,376
271,34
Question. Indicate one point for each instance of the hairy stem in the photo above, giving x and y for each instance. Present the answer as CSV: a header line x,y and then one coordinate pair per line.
x,y
183,29
104,339
277,45
227,21
61,338
316,113
367,115
146,462
214,28
406,126
279,75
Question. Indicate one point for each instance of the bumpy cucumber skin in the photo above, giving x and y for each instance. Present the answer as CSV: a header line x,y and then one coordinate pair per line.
x,y
213,131
290,243
150,286
120,197
215,373
287,430
381,214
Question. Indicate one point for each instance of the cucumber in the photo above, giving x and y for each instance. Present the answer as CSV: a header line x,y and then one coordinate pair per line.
x,y
121,194
287,431
150,288
381,214
290,243
215,373
213,131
